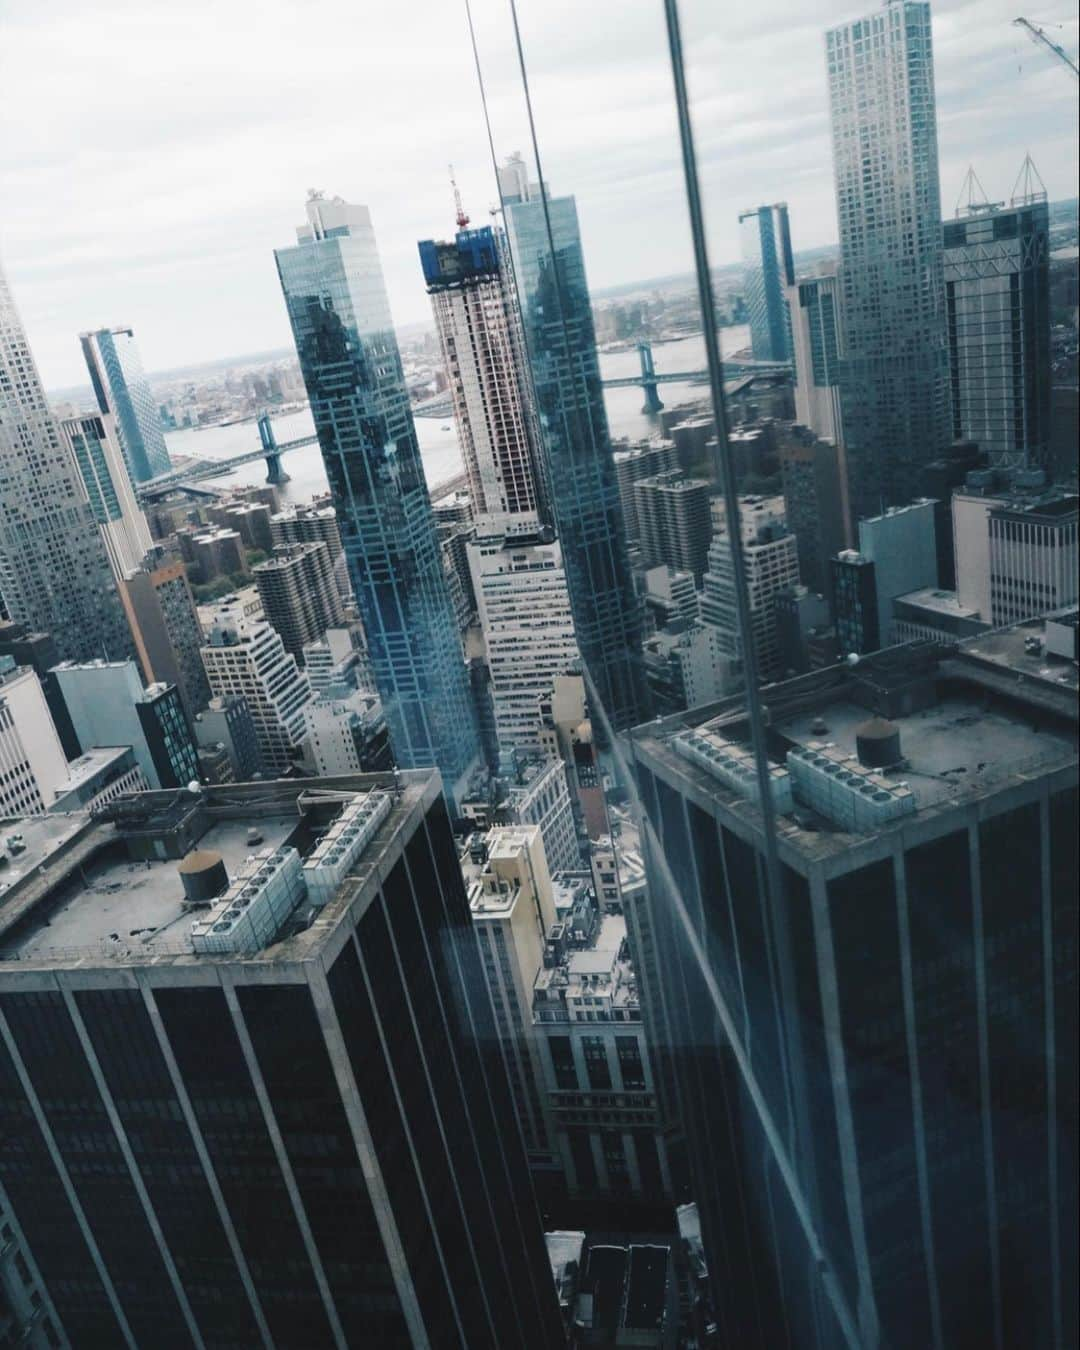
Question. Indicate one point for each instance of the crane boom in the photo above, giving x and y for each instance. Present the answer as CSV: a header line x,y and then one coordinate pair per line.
x,y
1043,39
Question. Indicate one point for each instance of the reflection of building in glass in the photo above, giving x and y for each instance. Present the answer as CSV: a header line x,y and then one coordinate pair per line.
x,y
894,386
337,304
817,348
561,344
895,1098
768,269
122,389
997,295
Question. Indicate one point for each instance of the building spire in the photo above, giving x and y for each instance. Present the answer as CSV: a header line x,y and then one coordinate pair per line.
x,y
1029,186
975,193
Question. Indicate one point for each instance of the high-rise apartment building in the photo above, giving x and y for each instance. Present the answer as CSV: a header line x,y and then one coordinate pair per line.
x,y
894,377
247,656
165,627
997,299
633,463
521,600
340,317
817,347
306,525
55,576
877,1061
122,390
299,598
476,314
768,270
236,1126
92,440
674,522
549,268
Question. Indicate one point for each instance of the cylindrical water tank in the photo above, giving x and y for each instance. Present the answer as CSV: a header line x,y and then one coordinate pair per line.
x,y
203,873
878,743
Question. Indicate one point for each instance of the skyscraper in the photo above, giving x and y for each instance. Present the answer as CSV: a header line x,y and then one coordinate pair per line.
x,y
238,1127
54,572
997,297
768,270
549,269
340,316
93,443
817,349
122,389
476,314
894,386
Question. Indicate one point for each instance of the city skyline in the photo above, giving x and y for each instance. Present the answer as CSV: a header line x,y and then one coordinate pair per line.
x,y
75,269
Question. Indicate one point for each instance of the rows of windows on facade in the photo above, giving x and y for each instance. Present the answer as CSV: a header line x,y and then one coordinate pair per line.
x,y
348,995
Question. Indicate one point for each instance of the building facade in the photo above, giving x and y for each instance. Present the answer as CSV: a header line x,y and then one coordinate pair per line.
x,y
95,449
33,766
340,317
123,391
813,473
768,271
674,522
814,307
298,594
165,627
894,377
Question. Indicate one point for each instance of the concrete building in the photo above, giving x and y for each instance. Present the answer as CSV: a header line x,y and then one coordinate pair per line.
x,y
227,721
212,553
523,606
875,1049
934,615
33,766
365,1183
345,732
633,462
96,777
166,631
768,272
902,546
123,392
109,706
997,297
798,614
674,522
311,524
670,595
250,520
55,575
813,473
684,664
566,734
814,307
475,305
247,657
298,594
40,653
540,795
95,448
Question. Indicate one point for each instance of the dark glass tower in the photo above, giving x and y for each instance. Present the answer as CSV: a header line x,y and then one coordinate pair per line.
x,y
768,270
340,317
122,389
561,344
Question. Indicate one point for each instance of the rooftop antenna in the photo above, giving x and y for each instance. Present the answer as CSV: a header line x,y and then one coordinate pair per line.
x,y
1029,187
462,218
974,191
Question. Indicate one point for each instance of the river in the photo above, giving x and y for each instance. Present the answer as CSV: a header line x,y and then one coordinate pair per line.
x,y
438,439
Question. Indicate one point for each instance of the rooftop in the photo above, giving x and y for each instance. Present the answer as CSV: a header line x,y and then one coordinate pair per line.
x,y
939,602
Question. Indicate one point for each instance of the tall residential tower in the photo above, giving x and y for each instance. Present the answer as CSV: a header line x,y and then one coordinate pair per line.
x,y
768,269
122,389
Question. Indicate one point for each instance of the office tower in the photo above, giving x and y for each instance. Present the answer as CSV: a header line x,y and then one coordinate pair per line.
x,y
510,897
340,317
997,303
772,564
632,463
33,766
674,522
298,594
240,1127
476,314
39,652
880,1121
894,378
245,655
768,270
122,390
92,440
165,628
817,348
519,581
561,344
1016,545
109,706
897,554
226,721
55,576
814,479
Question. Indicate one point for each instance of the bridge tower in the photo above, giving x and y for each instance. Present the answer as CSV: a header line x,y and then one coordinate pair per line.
x,y
275,474
648,380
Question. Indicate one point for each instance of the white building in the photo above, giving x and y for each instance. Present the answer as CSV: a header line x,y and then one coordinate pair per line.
x,y
524,611
246,656
33,766
542,798
338,725
95,448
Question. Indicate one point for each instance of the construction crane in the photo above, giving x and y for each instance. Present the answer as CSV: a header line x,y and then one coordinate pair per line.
x,y
462,218
1042,39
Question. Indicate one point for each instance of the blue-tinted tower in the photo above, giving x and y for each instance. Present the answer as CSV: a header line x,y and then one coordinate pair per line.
x,y
768,269
122,389
340,316
561,346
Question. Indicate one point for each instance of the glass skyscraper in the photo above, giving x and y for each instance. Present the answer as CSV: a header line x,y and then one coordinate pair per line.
x,y
768,269
54,572
122,389
561,344
894,387
340,316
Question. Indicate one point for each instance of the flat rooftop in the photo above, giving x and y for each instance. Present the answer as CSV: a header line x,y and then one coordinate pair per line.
x,y
940,602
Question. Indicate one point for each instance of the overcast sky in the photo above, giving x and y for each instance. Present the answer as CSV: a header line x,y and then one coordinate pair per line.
x,y
153,154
